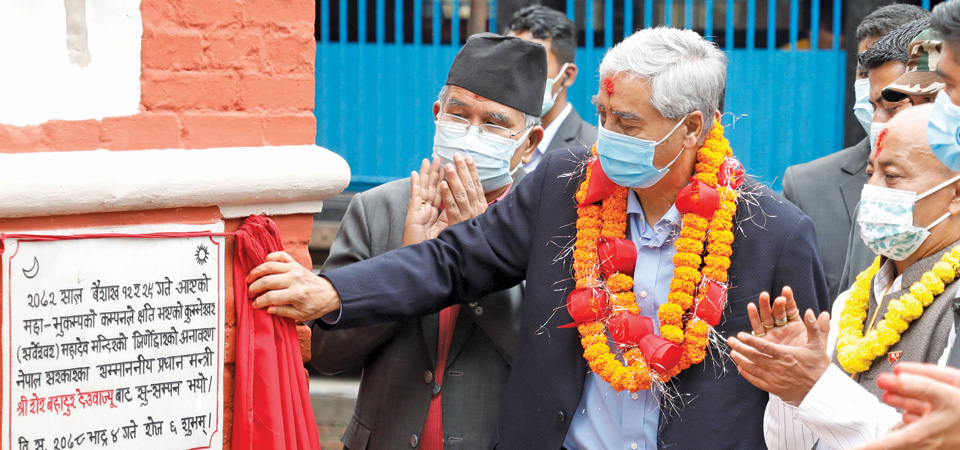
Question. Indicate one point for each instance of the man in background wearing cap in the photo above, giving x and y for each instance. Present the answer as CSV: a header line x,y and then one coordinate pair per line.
x,y
885,62
920,83
438,380
562,126
928,394
656,118
828,189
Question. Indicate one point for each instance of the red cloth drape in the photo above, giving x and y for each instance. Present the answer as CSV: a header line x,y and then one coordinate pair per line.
x,y
271,406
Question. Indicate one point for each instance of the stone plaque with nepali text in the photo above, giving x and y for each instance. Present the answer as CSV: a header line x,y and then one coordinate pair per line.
x,y
113,338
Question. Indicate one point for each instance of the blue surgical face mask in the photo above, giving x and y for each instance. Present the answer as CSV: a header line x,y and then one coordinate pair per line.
x,y
886,220
943,131
549,98
491,153
874,131
862,109
628,161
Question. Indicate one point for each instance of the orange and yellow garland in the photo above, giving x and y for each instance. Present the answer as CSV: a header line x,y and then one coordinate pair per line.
x,y
677,323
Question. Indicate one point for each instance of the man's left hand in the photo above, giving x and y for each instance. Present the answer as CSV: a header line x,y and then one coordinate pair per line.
x,y
784,362
461,191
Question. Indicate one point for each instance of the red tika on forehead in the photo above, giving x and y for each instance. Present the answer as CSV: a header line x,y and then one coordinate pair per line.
x,y
883,133
608,84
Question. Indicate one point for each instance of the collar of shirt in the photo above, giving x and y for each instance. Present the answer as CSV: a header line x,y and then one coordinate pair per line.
x,y
885,277
503,195
666,228
551,130
548,134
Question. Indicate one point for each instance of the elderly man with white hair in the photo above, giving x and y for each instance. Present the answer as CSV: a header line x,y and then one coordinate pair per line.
x,y
649,245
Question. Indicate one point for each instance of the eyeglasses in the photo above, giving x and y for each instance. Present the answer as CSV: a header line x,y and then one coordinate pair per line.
x,y
456,126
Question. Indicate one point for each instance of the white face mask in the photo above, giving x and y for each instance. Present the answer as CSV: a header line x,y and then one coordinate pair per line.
x,y
491,153
943,131
862,109
886,220
549,98
628,161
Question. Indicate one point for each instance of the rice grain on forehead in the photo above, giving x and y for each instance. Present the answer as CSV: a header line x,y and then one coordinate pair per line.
x,y
685,72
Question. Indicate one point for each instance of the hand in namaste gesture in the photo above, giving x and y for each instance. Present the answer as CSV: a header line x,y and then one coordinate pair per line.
x,y
456,186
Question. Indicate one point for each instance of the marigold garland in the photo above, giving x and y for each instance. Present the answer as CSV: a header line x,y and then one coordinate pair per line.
x,y
691,267
857,352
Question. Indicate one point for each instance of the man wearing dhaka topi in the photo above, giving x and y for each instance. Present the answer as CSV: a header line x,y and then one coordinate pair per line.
x,y
630,267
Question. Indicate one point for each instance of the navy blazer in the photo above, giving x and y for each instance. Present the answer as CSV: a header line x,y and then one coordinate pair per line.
x,y
527,236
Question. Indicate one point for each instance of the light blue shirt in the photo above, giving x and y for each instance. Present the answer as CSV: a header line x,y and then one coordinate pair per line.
x,y
605,418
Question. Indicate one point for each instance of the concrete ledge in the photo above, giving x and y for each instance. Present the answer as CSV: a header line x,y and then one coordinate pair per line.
x,y
239,180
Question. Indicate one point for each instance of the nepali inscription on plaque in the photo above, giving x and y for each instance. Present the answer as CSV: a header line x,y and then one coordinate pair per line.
x,y
113,342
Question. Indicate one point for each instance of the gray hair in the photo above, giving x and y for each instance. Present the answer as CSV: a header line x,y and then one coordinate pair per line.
x,y
528,120
685,72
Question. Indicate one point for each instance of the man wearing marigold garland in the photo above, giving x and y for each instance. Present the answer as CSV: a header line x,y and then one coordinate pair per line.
x,y
900,309
646,267
930,395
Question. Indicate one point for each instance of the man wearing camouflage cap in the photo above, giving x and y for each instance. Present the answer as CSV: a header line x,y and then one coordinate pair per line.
x,y
920,82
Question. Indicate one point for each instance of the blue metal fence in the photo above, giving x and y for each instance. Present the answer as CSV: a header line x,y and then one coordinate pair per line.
x,y
374,93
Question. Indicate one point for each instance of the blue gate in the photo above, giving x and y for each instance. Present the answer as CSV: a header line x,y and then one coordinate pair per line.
x,y
377,81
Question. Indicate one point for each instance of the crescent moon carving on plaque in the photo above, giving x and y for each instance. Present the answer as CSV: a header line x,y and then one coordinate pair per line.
x,y
33,271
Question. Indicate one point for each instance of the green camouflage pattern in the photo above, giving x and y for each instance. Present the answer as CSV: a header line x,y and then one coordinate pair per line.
x,y
921,76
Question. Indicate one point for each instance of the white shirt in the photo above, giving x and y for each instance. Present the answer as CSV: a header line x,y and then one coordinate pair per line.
x,y
548,133
837,411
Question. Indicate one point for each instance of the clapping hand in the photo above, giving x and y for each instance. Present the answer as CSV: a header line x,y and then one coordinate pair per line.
x,y
930,399
784,354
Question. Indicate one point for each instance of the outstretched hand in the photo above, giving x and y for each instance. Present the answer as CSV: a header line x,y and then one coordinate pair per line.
x,y
784,355
288,289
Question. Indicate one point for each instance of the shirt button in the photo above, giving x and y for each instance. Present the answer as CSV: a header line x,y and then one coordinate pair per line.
x,y
633,446
428,377
560,417
414,440
478,310
643,294
635,395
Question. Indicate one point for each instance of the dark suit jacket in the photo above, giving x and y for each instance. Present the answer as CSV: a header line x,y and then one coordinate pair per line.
x,y
524,236
573,132
828,189
398,358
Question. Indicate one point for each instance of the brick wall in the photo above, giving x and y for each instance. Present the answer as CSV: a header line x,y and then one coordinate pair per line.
x,y
214,73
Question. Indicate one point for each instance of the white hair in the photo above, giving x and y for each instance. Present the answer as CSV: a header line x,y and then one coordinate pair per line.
x,y
685,72
529,120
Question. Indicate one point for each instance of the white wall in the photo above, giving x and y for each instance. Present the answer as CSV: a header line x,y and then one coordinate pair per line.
x,y
38,80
